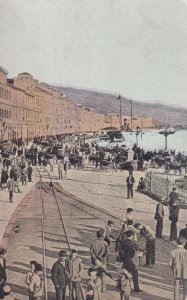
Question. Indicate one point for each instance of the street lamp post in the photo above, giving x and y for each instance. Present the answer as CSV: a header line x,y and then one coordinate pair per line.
x,y
27,136
120,121
131,112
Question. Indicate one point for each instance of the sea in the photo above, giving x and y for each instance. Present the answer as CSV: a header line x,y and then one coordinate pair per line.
x,y
152,140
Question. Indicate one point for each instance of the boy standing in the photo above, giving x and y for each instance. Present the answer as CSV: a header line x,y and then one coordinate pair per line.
x,y
29,275
124,284
74,268
101,272
94,286
36,286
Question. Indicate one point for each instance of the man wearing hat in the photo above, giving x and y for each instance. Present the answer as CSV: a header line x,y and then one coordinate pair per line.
x,y
99,247
74,268
130,259
178,265
59,275
183,233
159,217
173,217
130,183
173,196
3,276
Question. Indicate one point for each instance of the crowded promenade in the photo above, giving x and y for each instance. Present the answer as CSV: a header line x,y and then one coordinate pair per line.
x,y
128,220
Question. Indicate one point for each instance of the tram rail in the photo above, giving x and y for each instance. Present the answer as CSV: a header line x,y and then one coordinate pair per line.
x,y
59,194
53,194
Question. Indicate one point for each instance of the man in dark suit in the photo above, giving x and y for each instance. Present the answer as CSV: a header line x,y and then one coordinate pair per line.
x,y
173,196
130,182
129,257
183,233
173,217
159,217
59,275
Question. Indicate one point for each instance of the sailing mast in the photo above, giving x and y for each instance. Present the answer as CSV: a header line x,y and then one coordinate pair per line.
x,y
131,112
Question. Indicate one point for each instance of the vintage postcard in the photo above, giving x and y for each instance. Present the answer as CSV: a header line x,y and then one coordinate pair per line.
x,y
93,149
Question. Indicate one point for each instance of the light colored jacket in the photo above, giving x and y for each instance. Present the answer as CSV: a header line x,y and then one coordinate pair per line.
x,y
178,262
60,167
36,285
107,232
98,247
74,268
94,288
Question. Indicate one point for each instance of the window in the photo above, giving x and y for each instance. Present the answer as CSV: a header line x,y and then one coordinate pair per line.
x,y
6,94
1,91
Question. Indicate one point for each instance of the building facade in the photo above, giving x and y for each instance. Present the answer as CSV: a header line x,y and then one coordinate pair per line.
x,y
30,108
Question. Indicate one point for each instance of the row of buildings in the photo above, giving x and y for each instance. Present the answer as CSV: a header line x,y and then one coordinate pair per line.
x,y
30,108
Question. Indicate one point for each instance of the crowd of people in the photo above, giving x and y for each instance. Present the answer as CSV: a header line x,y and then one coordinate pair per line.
x,y
135,248
135,243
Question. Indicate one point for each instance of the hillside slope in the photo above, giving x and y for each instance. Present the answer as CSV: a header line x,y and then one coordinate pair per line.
x,y
107,103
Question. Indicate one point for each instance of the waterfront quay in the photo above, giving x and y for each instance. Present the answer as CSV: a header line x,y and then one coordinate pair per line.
x,y
88,199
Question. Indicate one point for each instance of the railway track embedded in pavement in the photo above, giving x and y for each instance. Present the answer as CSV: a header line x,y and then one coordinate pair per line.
x,y
62,203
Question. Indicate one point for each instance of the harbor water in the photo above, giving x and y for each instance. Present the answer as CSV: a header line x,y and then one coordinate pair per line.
x,y
152,140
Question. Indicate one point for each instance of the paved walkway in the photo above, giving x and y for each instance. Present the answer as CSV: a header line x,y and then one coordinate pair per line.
x,y
7,209
108,190
157,283
104,189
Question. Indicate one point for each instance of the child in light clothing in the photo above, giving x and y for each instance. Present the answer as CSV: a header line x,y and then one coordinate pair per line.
x,y
94,286
29,275
36,286
124,284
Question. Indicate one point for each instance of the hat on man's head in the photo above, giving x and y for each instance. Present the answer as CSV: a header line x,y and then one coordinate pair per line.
x,y
137,224
62,253
129,209
162,200
110,222
129,233
74,250
92,269
2,250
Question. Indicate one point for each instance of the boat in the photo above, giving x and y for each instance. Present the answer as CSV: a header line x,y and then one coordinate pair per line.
x,y
168,130
103,137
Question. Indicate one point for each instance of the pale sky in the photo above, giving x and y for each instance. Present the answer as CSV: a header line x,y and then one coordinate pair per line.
x,y
137,48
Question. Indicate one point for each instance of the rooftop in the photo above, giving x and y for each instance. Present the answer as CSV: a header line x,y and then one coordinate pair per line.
x,y
4,71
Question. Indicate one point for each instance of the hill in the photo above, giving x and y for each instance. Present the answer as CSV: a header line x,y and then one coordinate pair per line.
x,y
107,103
